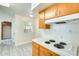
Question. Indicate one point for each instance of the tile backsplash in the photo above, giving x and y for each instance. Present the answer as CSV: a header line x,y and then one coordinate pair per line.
x,y
68,32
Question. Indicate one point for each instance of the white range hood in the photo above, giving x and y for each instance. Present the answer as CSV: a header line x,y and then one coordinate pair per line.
x,y
63,18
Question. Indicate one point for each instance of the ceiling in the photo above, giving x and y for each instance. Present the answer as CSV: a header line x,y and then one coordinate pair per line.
x,y
23,8
42,6
17,8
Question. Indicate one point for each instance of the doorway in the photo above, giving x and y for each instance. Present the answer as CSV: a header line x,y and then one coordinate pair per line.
x,y
6,30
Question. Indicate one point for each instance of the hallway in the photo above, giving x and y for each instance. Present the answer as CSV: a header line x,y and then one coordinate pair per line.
x,y
7,48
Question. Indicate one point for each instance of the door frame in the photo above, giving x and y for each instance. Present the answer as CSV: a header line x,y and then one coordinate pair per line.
x,y
2,28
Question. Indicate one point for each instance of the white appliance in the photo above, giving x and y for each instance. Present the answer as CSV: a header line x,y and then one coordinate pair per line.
x,y
71,17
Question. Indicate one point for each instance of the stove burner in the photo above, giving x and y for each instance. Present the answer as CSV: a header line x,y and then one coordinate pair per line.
x,y
47,42
59,46
62,43
52,40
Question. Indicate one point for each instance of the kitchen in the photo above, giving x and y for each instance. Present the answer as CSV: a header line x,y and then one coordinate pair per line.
x,y
57,30
40,29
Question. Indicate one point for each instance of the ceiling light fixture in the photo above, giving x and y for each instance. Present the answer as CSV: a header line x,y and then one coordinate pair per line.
x,y
31,15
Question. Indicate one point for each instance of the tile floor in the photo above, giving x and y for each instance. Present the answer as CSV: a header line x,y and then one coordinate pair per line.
x,y
7,48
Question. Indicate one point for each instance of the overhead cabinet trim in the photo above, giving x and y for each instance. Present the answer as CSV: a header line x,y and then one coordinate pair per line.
x,y
63,18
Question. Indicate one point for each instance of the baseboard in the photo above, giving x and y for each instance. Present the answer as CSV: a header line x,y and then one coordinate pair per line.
x,y
22,43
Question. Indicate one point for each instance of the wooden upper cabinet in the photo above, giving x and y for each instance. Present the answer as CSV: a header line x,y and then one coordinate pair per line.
x,y
51,12
67,8
42,15
41,20
57,10
42,24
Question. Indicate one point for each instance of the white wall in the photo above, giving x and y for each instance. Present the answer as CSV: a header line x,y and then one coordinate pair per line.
x,y
6,15
20,36
68,32
0,32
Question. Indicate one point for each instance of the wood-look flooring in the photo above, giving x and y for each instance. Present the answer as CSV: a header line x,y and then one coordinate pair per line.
x,y
7,48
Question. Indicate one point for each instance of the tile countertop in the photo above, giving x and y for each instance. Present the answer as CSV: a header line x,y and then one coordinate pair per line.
x,y
67,51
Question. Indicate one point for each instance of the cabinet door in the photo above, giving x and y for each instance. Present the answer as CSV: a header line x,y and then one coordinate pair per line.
x,y
76,7
67,8
51,12
42,24
44,52
35,49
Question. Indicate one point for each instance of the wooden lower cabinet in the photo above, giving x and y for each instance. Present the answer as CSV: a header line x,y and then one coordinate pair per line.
x,y
38,50
44,52
35,49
